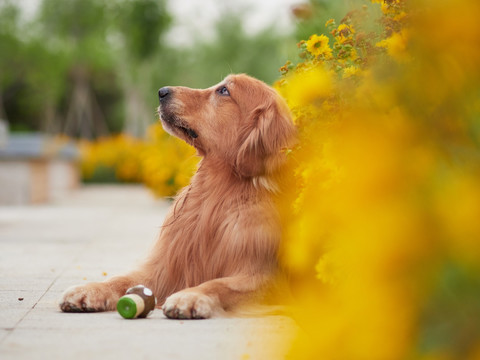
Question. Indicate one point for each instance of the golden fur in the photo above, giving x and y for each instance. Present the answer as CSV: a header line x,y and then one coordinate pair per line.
x,y
218,245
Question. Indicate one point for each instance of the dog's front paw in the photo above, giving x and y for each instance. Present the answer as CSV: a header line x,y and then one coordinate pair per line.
x,y
189,305
88,298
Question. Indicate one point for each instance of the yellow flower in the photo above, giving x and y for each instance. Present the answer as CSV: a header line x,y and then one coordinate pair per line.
x,y
135,160
350,71
310,85
344,33
318,46
327,269
396,46
329,22
400,16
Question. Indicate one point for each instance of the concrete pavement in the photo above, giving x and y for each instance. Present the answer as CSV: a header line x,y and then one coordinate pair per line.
x,y
96,232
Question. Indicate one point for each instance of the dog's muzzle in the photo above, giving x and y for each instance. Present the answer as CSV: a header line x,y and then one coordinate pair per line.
x,y
163,95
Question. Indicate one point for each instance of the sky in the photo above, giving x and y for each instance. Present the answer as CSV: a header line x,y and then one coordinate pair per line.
x,y
194,18
197,17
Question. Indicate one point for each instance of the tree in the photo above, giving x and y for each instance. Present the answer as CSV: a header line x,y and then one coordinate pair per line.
x,y
141,25
86,67
79,28
10,52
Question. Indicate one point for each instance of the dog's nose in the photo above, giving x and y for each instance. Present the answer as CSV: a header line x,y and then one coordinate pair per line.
x,y
163,93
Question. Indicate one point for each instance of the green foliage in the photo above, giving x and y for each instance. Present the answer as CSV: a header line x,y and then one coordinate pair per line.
x,y
14,65
102,175
450,318
232,50
313,18
9,44
109,49
46,78
142,23
79,27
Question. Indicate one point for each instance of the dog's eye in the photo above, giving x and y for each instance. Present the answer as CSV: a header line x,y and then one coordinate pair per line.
x,y
223,91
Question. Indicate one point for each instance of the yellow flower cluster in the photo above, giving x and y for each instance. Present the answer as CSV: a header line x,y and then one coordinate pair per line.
x,y
164,163
382,239
168,162
118,155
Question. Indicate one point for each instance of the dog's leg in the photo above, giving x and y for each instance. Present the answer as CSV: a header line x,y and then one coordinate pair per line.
x,y
212,298
98,296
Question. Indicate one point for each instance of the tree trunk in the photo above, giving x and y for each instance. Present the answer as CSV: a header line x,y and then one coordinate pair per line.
x,y
137,118
84,117
3,114
50,123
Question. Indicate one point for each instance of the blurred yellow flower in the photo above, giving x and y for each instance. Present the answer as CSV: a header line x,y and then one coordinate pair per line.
x,y
329,22
350,71
396,46
164,163
311,84
344,33
382,234
327,269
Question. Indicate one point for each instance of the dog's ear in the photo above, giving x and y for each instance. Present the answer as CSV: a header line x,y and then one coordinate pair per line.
x,y
270,129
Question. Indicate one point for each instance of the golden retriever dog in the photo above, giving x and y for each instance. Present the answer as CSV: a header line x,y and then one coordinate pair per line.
x,y
218,245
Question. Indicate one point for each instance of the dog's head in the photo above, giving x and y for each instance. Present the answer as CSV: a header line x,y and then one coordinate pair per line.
x,y
241,120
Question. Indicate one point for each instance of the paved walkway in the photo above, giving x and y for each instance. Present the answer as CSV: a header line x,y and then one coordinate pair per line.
x,y
96,232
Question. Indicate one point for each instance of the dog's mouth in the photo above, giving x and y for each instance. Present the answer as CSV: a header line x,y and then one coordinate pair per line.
x,y
189,132
176,125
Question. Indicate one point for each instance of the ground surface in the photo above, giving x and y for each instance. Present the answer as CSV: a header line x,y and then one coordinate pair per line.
x,y
95,233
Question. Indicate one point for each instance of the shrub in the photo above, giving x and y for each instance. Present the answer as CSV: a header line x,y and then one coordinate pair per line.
x,y
382,239
163,162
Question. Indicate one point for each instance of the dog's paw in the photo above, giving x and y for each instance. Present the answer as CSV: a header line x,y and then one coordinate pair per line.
x,y
88,298
190,305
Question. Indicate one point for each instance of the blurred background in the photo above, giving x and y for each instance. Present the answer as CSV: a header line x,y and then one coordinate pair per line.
x,y
90,70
